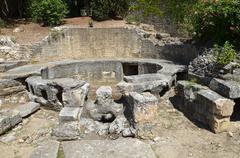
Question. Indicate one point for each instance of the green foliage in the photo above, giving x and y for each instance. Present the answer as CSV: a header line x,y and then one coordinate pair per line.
x,y
103,9
217,20
2,23
175,9
225,54
191,83
48,12
147,7
100,10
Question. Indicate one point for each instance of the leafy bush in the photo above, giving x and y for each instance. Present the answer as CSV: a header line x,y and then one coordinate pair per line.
x,y
146,7
176,11
104,9
217,20
48,12
100,10
2,23
225,54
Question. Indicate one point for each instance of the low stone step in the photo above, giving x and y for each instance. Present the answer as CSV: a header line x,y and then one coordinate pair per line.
x,y
152,86
120,148
9,119
229,89
28,108
5,66
215,103
70,114
147,78
9,87
47,149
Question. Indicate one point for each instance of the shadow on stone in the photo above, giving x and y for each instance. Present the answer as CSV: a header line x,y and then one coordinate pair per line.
x,y
236,111
176,102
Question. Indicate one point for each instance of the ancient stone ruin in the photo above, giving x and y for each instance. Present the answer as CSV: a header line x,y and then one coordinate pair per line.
x,y
107,82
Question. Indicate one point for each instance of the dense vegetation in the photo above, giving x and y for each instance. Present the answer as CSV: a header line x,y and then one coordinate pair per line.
x,y
216,21
48,12
105,9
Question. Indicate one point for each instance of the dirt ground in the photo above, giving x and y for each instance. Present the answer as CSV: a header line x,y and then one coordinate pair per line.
x,y
28,134
171,135
31,32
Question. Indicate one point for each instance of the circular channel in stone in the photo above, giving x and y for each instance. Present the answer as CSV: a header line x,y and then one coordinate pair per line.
x,y
100,72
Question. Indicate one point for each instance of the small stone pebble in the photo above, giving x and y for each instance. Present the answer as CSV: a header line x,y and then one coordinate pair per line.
x,y
230,134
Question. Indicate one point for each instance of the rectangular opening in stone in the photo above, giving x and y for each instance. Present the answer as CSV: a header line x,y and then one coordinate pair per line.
x,y
44,94
236,111
130,69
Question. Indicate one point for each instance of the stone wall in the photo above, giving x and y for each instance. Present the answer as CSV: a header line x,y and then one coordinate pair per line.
x,y
132,42
204,105
80,43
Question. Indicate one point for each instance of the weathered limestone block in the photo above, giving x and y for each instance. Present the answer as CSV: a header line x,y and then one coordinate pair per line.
x,y
75,97
227,88
188,90
195,111
69,92
214,103
218,125
8,119
69,114
57,93
204,105
5,66
145,106
150,77
9,87
104,108
104,95
153,86
48,149
105,103
28,108
66,131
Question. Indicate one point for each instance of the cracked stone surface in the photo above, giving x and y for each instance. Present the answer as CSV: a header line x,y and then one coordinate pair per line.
x,y
48,149
121,148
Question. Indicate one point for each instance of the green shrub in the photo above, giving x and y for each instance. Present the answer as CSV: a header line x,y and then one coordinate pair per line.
x,y
177,11
48,12
100,10
147,7
104,9
218,21
225,54
2,23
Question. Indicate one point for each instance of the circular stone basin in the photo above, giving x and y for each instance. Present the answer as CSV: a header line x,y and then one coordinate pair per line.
x,y
123,75
101,72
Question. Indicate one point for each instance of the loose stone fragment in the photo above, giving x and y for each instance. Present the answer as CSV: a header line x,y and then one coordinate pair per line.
x,y
8,119
69,114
